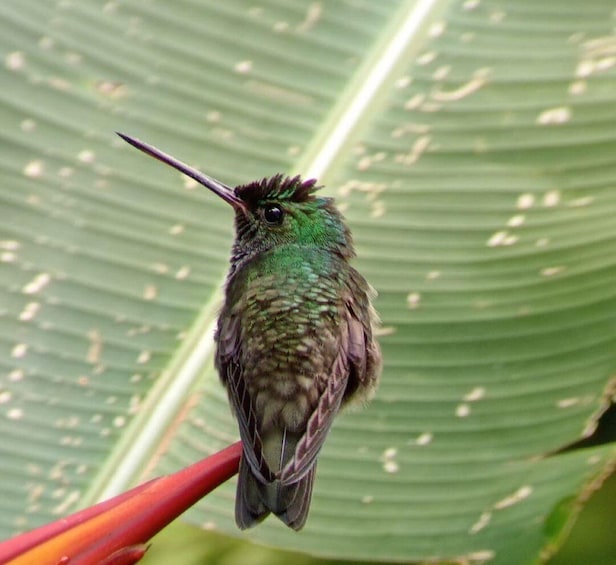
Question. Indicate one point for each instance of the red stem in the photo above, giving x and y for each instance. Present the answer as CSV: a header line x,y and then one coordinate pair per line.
x,y
127,520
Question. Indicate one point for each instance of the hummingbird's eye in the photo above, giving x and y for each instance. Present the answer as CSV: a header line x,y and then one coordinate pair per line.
x,y
273,214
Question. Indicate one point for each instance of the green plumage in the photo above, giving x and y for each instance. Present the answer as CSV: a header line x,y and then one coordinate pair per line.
x,y
294,338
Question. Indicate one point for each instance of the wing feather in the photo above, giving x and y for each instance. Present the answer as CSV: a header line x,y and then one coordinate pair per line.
x,y
348,372
230,371
318,426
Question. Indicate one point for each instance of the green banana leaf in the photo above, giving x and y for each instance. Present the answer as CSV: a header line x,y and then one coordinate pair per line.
x,y
471,145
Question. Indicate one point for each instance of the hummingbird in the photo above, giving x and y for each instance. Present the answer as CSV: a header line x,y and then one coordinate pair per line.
x,y
295,336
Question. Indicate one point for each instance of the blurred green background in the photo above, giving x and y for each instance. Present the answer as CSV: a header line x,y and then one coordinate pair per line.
x,y
471,144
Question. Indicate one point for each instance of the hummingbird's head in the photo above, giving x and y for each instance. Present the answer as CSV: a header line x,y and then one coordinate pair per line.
x,y
283,210
271,212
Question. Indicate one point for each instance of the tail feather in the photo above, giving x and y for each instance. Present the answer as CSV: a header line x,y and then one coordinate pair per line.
x,y
255,500
249,508
296,512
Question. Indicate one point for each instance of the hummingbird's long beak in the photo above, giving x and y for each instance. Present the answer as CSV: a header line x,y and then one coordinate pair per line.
x,y
222,190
